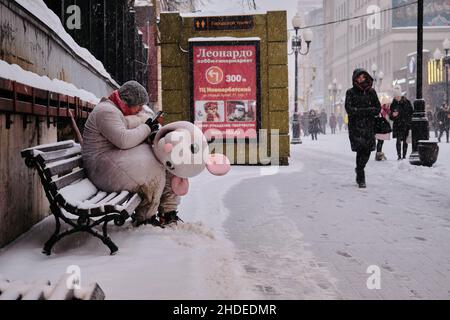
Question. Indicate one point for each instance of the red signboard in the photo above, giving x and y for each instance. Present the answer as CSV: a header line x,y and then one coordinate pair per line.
x,y
225,89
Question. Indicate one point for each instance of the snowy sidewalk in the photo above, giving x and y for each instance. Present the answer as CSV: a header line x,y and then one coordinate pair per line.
x,y
190,261
305,232
313,234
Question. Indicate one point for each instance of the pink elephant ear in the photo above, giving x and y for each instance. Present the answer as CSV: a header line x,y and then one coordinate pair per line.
x,y
218,164
180,186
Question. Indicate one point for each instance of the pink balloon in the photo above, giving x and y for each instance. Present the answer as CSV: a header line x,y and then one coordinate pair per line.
x,y
218,164
180,186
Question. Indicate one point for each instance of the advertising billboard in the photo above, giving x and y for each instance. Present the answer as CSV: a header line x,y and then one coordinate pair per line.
x,y
225,88
436,13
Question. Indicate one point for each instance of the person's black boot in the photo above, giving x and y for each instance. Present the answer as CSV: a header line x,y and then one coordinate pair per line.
x,y
153,221
169,218
361,179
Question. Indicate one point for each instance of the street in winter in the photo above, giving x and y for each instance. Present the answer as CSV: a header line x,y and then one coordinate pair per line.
x,y
206,150
304,232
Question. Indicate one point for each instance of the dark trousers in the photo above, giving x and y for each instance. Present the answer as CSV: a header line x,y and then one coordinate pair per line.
x,y
333,130
362,157
314,135
380,145
401,141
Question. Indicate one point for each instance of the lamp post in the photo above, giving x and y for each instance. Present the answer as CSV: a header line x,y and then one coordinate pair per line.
x,y
419,125
377,76
297,47
334,89
438,56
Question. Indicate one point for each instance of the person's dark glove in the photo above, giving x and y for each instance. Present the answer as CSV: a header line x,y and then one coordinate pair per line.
x,y
154,126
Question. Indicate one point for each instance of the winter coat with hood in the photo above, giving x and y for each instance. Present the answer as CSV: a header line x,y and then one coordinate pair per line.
x,y
115,157
314,123
362,106
333,121
402,122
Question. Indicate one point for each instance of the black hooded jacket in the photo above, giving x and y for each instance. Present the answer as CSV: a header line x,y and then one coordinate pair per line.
x,y
362,106
402,123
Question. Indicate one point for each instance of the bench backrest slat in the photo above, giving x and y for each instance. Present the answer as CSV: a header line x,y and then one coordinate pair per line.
x,y
48,157
47,148
68,179
63,167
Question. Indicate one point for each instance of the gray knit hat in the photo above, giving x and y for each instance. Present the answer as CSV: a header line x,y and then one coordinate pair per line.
x,y
133,93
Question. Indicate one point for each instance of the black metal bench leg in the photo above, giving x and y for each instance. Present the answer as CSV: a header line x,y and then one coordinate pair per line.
x,y
53,239
105,239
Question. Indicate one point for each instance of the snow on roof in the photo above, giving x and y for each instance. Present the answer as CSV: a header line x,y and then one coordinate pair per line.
x,y
16,73
200,39
143,3
40,10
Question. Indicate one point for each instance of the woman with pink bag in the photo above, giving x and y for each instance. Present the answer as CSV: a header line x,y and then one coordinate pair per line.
x,y
382,137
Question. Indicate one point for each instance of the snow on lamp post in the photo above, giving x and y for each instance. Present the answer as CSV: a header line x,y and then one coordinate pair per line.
x,y
377,76
296,49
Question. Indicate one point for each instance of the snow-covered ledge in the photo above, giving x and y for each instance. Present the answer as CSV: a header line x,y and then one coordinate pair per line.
x,y
32,24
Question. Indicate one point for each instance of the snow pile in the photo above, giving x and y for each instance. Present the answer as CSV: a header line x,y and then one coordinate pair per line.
x,y
40,10
16,73
193,260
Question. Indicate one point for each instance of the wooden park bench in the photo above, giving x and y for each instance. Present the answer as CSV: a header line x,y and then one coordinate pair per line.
x,y
73,197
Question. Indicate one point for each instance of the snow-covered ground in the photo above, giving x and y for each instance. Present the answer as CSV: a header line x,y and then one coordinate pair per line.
x,y
305,232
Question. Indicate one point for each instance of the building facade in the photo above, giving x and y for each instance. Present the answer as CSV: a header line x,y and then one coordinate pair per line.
x,y
317,81
388,39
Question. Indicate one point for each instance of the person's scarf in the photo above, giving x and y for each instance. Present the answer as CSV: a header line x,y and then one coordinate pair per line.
x,y
122,106
364,86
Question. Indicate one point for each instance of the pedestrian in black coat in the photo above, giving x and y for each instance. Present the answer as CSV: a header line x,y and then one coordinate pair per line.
x,y
323,117
443,118
401,113
314,124
362,106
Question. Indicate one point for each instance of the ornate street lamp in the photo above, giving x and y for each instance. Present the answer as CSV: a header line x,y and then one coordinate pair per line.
x,y
334,89
296,48
438,56
377,77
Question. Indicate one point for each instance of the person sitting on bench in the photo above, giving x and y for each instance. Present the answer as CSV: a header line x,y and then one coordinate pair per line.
x,y
117,158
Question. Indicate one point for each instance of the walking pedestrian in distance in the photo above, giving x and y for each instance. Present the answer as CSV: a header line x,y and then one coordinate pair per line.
x,y
340,120
444,121
323,117
314,124
333,123
401,114
362,106
382,137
